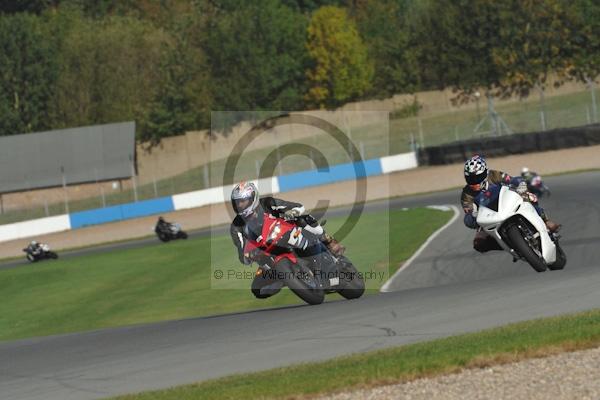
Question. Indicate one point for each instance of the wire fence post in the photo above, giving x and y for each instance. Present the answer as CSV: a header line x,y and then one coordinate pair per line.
x,y
101,188
421,132
542,107
133,179
64,185
1,204
47,211
543,121
361,146
206,176
592,87
154,185
587,114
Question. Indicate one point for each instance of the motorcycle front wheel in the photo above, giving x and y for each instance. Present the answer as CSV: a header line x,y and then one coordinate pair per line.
x,y
524,249
301,281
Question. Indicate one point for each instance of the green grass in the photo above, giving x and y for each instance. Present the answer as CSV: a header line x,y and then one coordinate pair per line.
x,y
173,281
561,111
500,345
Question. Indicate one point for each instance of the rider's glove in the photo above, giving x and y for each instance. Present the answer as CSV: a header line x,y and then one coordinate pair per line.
x,y
470,221
291,214
522,188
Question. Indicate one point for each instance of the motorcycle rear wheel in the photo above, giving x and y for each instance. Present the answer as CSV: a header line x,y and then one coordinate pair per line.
x,y
301,281
522,247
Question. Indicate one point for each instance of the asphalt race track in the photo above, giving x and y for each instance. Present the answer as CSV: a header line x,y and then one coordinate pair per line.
x,y
449,289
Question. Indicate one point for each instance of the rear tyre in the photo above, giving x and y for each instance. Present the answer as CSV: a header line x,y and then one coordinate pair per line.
x,y
353,284
522,247
561,259
301,281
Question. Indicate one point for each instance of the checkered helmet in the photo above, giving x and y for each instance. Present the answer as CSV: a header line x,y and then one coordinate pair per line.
x,y
244,198
476,170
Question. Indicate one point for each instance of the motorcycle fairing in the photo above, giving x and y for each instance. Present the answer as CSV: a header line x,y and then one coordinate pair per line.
x,y
511,204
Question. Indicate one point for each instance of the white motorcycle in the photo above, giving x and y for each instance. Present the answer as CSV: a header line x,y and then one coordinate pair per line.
x,y
517,227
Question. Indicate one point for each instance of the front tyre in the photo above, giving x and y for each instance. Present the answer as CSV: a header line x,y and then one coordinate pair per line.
x,y
561,259
52,255
182,235
353,284
524,249
301,281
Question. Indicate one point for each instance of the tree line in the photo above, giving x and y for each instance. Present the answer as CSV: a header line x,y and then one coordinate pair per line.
x,y
167,64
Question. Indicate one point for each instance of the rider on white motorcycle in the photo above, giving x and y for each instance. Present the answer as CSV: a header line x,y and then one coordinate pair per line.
x,y
478,178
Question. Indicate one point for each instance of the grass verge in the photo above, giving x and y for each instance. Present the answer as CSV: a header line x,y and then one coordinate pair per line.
x,y
510,343
173,281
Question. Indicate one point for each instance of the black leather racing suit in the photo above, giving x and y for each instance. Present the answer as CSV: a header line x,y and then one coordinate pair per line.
x,y
270,205
241,230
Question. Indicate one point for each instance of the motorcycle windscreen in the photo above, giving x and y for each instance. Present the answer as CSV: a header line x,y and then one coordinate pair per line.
x,y
489,198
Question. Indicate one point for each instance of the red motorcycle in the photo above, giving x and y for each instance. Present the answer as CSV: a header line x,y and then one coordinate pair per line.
x,y
296,258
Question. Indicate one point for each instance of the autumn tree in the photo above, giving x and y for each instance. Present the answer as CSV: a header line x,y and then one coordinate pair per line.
x,y
341,70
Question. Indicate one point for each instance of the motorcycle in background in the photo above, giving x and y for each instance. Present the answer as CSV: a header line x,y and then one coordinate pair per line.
x,y
40,252
536,186
169,231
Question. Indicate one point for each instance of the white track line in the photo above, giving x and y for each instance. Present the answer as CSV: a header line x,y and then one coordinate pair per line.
x,y
386,285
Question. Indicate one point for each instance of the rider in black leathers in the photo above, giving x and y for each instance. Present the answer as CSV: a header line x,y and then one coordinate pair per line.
x,y
247,224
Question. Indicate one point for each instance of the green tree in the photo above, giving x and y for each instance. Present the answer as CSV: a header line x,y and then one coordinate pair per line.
x,y
341,70
256,56
182,101
383,25
31,6
28,74
586,63
537,38
109,71
454,41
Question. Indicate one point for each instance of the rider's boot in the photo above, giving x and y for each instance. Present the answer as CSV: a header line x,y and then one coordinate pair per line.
x,y
552,226
335,247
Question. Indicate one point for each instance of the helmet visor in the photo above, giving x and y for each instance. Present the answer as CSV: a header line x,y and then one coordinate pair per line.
x,y
473,179
243,206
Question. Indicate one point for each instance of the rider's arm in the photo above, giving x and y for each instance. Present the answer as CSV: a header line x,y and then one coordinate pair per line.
x,y
467,201
502,178
278,207
237,236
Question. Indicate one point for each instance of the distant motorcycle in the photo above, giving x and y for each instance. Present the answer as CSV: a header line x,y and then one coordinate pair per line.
x,y
168,232
41,252
536,186
517,227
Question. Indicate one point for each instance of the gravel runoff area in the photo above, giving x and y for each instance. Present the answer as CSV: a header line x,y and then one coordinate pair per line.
x,y
565,376
419,180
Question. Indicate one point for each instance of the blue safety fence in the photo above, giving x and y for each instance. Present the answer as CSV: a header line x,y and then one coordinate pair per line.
x,y
335,173
121,212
